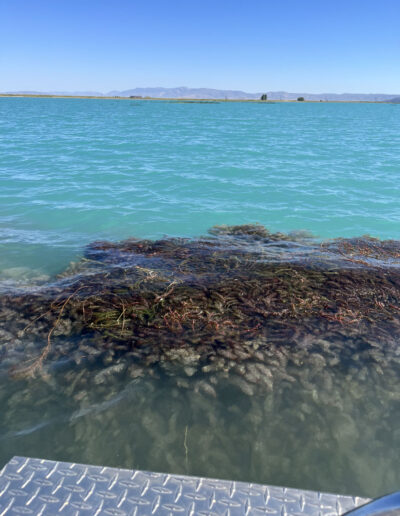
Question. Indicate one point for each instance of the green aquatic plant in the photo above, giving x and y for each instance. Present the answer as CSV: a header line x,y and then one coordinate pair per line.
x,y
253,230
211,295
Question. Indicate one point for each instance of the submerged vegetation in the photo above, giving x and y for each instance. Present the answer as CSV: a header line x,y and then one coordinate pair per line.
x,y
245,353
210,303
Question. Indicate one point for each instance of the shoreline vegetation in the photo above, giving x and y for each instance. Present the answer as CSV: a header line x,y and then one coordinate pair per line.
x,y
193,100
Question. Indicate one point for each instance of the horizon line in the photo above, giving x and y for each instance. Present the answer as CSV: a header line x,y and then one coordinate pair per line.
x,y
72,92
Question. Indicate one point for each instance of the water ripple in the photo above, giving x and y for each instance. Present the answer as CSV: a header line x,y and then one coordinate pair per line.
x,y
73,171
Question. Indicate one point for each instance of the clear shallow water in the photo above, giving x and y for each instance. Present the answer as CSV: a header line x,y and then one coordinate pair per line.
x,y
73,171
330,437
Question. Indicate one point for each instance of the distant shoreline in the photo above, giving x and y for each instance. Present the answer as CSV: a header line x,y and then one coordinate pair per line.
x,y
191,100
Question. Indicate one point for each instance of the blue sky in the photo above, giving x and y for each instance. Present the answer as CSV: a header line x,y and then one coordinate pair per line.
x,y
254,45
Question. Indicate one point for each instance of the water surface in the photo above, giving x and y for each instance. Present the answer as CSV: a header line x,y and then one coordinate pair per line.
x,y
75,171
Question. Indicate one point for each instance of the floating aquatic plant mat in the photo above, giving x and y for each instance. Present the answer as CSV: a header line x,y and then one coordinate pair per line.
x,y
240,301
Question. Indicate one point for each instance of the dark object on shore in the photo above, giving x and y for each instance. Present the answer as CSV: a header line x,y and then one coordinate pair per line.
x,y
189,300
264,96
300,99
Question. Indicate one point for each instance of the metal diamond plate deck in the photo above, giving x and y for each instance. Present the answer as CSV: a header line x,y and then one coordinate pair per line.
x,y
44,487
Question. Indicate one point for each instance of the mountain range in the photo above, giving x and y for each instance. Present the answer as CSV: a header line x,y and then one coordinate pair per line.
x,y
208,93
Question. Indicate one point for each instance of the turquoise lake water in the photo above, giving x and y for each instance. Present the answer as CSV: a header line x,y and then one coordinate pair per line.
x,y
73,171
309,403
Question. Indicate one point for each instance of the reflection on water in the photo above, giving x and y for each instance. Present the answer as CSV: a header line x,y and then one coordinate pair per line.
x,y
244,355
